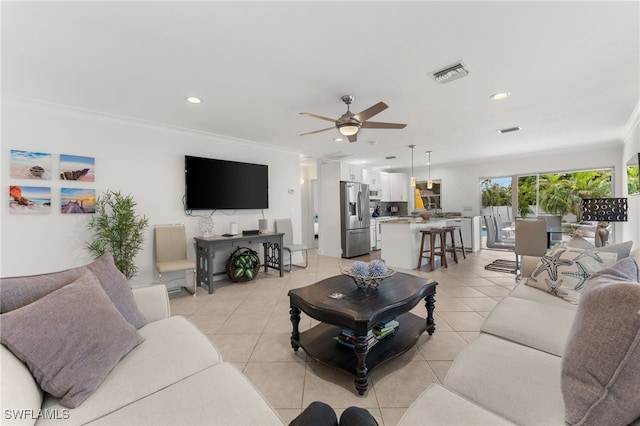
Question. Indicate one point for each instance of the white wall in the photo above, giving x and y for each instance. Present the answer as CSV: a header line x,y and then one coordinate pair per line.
x,y
140,159
329,235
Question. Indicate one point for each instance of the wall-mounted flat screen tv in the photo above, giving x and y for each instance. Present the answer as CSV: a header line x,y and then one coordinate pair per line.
x,y
212,184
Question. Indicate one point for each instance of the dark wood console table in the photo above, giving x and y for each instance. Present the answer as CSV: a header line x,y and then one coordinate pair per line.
x,y
360,310
207,246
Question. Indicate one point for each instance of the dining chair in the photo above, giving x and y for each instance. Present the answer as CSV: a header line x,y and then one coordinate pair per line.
x,y
554,228
492,242
531,240
285,226
170,247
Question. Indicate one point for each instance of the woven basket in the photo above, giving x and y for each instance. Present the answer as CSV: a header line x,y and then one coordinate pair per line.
x,y
367,282
232,269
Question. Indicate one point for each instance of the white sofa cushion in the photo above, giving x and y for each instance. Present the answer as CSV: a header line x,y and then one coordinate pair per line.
x,y
173,349
20,395
537,325
438,406
219,395
524,291
514,381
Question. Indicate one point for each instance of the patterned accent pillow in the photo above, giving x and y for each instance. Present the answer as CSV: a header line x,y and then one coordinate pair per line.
x,y
563,271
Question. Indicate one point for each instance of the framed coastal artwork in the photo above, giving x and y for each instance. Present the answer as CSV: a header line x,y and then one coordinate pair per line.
x,y
30,165
77,200
75,167
29,199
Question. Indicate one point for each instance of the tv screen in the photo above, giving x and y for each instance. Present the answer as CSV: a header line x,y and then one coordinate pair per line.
x,y
212,184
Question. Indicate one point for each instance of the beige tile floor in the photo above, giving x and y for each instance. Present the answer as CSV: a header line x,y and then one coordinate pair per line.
x,y
249,323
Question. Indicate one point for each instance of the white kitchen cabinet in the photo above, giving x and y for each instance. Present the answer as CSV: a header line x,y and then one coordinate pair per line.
x,y
398,187
372,237
371,178
350,172
385,187
471,232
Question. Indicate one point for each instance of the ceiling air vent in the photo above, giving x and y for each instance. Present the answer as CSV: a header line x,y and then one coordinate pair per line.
x,y
510,129
336,155
450,73
390,157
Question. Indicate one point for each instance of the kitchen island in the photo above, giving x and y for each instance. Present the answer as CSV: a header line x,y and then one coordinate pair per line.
x,y
401,243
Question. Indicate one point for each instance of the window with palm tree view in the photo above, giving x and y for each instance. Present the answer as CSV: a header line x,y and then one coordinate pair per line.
x,y
545,194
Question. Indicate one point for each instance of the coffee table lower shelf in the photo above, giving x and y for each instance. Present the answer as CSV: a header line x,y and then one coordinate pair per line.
x,y
318,342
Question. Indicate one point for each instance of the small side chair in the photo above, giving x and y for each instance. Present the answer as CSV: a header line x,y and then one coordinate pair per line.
x,y
170,246
284,226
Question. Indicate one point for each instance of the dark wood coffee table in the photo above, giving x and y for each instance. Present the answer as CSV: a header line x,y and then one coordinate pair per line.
x,y
360,310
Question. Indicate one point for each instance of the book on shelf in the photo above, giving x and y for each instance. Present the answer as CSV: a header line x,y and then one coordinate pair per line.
x,y
349,341
377,333
383,328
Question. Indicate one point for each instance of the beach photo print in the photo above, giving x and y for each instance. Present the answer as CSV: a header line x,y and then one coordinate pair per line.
x,y
29,199
75,167
77,200
30,165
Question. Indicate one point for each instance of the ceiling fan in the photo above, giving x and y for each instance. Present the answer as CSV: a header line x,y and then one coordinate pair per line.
x,y
349,123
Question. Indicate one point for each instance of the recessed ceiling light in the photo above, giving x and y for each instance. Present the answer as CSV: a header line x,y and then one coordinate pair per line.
x,y
338,140
194,100
499,95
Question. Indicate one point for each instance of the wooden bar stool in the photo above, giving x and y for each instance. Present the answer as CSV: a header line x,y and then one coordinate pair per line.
x,y
453,248
433,250
459,228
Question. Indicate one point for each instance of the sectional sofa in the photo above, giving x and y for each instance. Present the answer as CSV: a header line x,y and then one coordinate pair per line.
x,y
549,357
112,356
80,347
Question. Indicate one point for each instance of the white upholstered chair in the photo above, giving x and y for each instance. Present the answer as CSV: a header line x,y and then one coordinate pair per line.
x,y
285,226
170,246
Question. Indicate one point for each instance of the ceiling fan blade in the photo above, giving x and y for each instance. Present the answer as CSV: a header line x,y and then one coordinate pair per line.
x,y
308,114
317,131
353,138
378,125
370,112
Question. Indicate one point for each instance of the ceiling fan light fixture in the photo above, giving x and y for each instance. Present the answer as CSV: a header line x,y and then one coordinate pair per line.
x,y
348,129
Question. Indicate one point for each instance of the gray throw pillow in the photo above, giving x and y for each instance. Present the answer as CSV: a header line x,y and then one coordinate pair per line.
x,y
621,249
21,291
70,339
579,242
601,364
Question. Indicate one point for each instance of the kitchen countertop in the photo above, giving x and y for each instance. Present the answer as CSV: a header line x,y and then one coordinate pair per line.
x,y
411,221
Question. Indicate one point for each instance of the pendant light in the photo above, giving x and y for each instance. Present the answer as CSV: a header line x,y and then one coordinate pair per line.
x,y
413,179
429,181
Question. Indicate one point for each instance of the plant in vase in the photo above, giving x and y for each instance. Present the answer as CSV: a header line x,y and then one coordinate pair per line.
x,y
117,230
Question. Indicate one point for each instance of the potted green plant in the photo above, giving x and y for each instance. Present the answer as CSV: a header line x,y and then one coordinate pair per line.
x,y
117,230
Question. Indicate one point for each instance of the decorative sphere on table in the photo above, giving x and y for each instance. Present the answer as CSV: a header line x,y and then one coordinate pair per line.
x,y
360,268
377,268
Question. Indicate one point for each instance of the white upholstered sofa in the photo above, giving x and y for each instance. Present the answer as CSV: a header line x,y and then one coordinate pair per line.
x,y
541,360
171,375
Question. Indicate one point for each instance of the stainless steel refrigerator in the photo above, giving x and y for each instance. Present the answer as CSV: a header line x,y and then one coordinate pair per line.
x,y
354,220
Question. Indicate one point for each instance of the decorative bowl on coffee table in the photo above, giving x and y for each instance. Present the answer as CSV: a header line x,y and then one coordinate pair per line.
x,y
367,281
